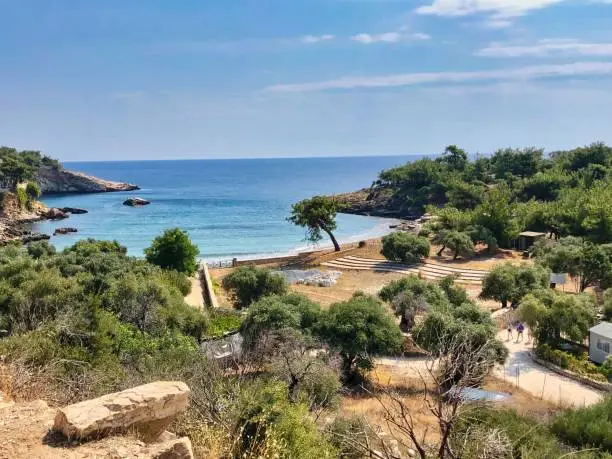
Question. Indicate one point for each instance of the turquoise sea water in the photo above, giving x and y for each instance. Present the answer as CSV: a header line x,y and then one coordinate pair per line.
x,y
229,207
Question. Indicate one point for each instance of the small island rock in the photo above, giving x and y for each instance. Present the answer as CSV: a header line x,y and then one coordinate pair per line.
x,y
64,231
73,210
135,201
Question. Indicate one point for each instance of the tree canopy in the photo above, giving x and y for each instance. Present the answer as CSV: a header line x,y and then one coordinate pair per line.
x,y
317,215
174,250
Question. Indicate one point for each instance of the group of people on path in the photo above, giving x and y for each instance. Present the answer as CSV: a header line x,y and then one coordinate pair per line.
x,y
520,328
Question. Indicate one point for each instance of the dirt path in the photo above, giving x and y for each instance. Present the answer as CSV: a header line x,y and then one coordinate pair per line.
x,y
523,372
196,296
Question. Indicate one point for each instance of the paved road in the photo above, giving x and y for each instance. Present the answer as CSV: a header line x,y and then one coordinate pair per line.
x,y
522,371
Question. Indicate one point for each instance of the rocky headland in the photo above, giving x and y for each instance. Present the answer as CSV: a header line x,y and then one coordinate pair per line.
x,y
375,202
53,180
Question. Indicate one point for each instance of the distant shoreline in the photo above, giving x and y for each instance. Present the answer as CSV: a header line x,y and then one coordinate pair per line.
x,y
380,230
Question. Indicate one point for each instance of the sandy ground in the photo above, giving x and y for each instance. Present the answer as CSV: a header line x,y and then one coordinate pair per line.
x,y
521,371
196,296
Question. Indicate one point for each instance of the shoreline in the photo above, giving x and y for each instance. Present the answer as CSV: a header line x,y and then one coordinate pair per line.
x,y
382,228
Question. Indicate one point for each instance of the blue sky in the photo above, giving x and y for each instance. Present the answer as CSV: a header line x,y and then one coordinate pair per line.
x,y
116,79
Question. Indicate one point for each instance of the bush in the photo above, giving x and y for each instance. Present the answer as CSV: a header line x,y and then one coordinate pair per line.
x,y
40,249
224,321
580,365
362,244
405,247
589,427
173,250
607,304
247,284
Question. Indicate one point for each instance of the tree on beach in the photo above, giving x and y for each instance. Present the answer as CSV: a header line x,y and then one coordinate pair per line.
x,y
316,215
174,250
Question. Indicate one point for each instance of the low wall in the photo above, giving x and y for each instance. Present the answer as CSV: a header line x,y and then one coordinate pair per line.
x,y
207,287
606,387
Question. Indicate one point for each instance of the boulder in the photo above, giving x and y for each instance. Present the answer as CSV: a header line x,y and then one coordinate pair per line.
x,y
34,237
135,201
73,210
179,448
55,214
64,231
147,409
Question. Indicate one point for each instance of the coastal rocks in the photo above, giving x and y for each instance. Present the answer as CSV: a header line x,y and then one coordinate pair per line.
x,y
34,237
55,214
147,409
64,231
179,448
58,180
136,202
376,202
73,210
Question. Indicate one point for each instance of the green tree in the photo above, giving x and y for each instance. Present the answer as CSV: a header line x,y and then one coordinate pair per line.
x,y
247,284
497,214
316,215
607,304
405,247
454,158
33,190
359,329
508,283
174,250
459,242
509,162
278,312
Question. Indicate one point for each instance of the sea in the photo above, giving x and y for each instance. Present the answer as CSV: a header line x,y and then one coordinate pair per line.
x,y
230,208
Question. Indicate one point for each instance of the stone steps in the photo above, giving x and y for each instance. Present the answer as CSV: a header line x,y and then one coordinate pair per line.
x,y
428,270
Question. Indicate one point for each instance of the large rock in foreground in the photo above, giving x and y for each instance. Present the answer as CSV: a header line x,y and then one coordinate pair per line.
x,y
147,409
59,180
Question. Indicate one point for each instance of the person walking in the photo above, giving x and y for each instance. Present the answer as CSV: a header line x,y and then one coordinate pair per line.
x,y
520,328
509,329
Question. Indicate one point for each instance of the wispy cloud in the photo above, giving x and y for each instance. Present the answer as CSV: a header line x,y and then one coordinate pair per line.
x,y
388,37
410,79
500,8
549,47
312,39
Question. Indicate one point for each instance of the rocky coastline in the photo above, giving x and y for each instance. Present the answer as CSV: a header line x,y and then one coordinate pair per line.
x,y
373,203
15,220
55,180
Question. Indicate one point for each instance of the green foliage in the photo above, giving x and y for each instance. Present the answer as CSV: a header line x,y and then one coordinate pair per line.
x,y
579,365
360,329
460,243
589,427
405,247
509,283
247,284
552,315
607,304
497,214
316,215
224,321
33,190
273,427
174,250
508,162
40,249
280,312
527,438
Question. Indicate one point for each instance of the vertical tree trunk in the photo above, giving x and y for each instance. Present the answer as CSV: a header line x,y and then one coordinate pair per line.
x,y
441,250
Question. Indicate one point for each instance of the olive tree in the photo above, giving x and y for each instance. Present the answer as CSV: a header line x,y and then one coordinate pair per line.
x,y
360,329
508,283
317,215
247,284
405,247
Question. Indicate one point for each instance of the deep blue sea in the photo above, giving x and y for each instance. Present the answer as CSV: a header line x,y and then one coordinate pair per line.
x,y
231,208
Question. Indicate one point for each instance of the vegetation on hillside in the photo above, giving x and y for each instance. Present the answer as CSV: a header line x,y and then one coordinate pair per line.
x,y
19,166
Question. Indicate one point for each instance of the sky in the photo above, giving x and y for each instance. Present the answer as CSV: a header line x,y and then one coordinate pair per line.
x,y
160,79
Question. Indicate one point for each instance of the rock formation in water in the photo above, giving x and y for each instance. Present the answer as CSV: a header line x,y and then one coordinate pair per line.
x,y
136,202
59,180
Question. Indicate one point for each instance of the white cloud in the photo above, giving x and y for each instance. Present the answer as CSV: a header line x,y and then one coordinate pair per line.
x,y
367,39
388,37
549,47
499,8
410,79
312,39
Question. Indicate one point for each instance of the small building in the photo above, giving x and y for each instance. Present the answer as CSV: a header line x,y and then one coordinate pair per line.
x,y
527,238
600,342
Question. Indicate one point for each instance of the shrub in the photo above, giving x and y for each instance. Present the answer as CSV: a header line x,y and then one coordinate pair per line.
x,y
362,244
405,247
589,427
607,304
580,365
173,250
224,321
247,284
40,249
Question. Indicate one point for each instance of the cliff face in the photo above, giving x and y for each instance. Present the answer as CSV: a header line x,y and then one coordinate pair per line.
x,y
54,180
375,202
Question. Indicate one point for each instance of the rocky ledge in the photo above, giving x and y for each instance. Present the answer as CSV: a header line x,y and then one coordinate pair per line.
x,y
59,180
372,202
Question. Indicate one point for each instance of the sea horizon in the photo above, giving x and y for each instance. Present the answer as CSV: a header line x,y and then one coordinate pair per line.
x,y
231,208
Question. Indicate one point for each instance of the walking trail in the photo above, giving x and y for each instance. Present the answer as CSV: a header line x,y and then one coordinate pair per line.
x,y
196,296
523,372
